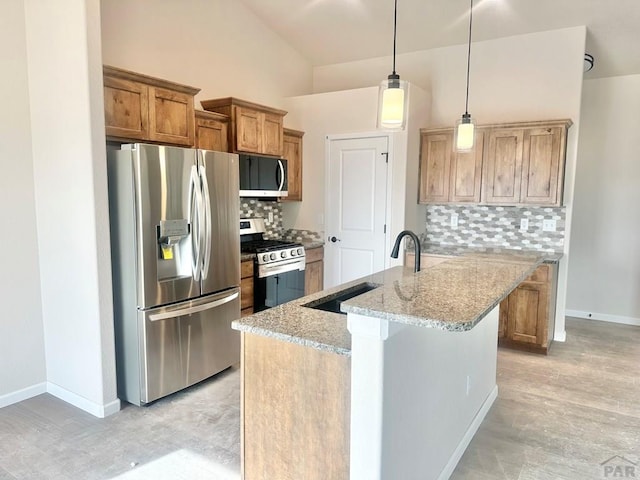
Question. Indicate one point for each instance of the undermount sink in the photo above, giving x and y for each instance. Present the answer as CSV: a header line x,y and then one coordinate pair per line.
x,y
331,303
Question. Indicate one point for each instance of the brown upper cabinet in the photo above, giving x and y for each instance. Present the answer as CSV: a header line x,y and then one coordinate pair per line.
x,y
254,128
447,175
293,155
212,131
511,164
138,107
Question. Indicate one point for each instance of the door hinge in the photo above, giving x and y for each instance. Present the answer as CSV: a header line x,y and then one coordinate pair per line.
x,y
385,228
386,156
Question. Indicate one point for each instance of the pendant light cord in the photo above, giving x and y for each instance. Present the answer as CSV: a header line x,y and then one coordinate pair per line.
x,y
395,22
466,105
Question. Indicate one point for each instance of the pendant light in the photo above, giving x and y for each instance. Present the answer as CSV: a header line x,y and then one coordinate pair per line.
x,y
392,96
465,128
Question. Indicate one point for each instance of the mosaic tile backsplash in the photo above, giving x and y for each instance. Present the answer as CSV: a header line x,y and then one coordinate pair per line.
x,y
294,235
251,207
490,226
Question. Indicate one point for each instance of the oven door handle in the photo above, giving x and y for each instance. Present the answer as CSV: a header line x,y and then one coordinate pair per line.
x,y
267,271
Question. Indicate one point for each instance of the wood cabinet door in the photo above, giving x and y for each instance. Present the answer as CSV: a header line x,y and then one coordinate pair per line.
x,y
502,172
211,135
246,287
126,111
541,166
503,318
171,117
435,162
292,152
527,317
248,130
272,137
466,172
313,277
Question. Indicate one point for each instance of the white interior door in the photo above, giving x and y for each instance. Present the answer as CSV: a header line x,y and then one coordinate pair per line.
x,y
356,208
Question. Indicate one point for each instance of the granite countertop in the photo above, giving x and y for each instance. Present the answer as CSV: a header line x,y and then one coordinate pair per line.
x,y
245,257
458,250
308,245
454,295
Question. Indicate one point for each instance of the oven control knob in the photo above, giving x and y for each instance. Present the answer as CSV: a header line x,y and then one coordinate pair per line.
x,y
283,254
272,256
300,251
293,252
265,257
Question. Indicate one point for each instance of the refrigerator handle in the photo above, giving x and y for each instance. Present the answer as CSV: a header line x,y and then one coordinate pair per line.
x,y
195,219
206,204
179,312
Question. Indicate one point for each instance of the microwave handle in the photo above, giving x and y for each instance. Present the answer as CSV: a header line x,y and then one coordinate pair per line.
x,y
281,170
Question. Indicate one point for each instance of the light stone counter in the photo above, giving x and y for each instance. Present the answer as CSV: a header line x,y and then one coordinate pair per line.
x,y
454,296
459,250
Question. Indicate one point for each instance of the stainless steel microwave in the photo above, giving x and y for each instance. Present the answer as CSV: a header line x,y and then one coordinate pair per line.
x,y
262,176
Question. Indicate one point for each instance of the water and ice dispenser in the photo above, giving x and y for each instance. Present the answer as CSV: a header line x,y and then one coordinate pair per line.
x,y
175,253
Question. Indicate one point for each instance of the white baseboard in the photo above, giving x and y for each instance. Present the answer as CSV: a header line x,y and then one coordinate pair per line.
x,y
24,394
466,439
82,403
603,317
560,336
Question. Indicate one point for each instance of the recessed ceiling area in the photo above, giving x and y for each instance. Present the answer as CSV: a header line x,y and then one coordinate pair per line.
x,y
336,31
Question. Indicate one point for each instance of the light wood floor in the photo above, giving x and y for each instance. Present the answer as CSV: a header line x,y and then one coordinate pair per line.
x,y
557,417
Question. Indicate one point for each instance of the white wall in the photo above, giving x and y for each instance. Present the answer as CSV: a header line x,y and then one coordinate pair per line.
x,y
604,273
352,112
65,87
528,77
217,45
22,364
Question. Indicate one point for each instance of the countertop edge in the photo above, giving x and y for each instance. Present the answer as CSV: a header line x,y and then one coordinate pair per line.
x,y
284,337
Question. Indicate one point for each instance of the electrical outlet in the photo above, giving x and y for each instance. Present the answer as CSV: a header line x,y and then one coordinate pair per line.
x,y
524,224
454,220
270,217
549,225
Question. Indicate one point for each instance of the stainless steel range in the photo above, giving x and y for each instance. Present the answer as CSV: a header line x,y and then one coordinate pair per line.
x,y
279,265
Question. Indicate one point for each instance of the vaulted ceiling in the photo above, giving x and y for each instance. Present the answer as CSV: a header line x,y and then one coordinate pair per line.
x,y
335,31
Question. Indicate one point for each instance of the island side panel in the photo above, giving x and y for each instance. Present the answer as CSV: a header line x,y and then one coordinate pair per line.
x,y
433,389
295,411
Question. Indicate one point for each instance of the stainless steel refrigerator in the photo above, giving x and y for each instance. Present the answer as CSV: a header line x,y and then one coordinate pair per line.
x,y
176,266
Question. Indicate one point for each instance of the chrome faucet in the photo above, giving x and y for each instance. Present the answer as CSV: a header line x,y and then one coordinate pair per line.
x,y
416,243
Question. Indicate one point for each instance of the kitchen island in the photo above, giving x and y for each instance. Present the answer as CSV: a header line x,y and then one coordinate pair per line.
x,y
394,389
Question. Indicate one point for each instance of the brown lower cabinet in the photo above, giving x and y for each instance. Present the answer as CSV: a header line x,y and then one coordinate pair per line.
x,y
527,315
246,288
314,270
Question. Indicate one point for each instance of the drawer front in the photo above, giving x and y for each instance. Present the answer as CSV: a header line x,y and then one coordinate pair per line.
x,y
314,254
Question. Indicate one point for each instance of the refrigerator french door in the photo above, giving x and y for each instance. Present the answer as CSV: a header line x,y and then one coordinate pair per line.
x,y
176,266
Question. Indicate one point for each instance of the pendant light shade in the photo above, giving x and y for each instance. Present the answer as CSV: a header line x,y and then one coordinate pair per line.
x,y
465,133
392,97
392,103
465,127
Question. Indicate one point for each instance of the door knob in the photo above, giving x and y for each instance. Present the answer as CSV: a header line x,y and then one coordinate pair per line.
x,y
334,239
